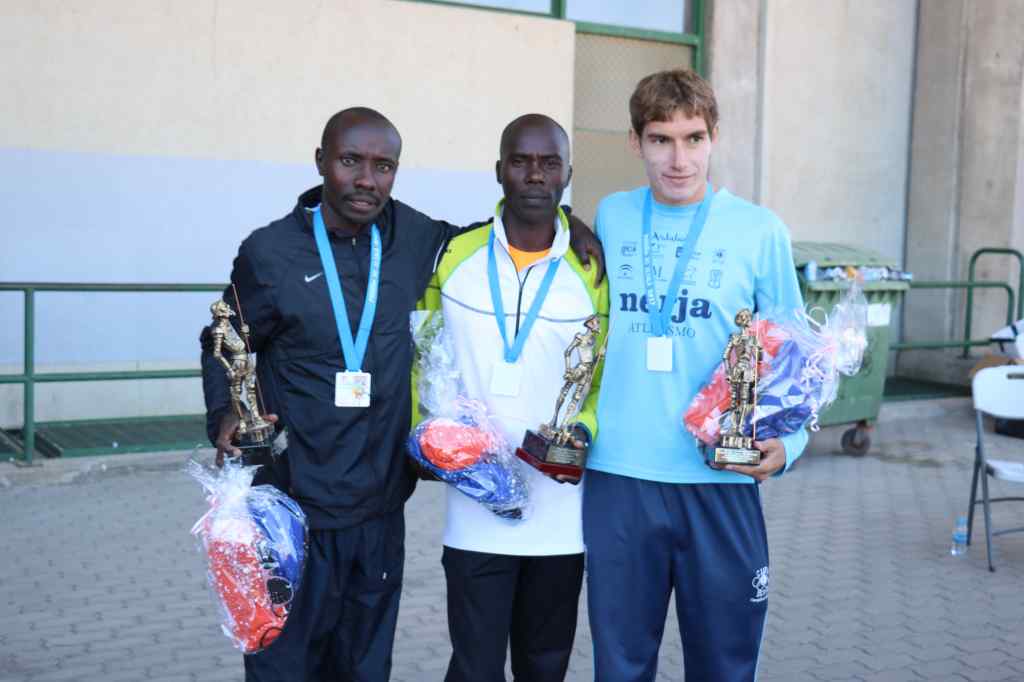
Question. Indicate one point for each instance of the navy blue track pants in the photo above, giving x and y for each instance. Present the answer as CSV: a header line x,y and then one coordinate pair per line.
x,y
343,617
705,541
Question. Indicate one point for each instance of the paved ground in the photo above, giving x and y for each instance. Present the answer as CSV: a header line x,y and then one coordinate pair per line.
x,y
101,580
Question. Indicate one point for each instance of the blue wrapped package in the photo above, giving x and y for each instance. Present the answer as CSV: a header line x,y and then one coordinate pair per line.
x,y
784,403
282,546
456,440
798,376
254,539
464,455
804,373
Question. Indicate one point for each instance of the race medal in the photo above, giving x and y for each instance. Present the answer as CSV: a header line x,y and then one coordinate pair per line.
x,y
507,374
659,354
506,378
352,389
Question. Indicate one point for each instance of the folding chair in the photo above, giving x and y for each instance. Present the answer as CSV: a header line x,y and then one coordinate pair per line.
x,y
999,392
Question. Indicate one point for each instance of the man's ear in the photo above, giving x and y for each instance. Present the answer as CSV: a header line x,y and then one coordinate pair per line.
x,y
497,171
634,143
568,179
714,133
318,158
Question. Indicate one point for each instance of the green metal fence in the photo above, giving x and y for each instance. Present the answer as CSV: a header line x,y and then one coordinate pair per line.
x,y
29,377
970,284
970,292
967,341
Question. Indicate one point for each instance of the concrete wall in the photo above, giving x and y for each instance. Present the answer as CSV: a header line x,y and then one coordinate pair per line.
x,y
837,99
815,118
736,70
966,180
142,141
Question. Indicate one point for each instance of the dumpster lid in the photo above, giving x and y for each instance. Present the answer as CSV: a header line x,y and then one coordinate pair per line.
x,y
830,254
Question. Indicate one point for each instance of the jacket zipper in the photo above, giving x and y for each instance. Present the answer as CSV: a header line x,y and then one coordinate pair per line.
x,y
522,285
519,300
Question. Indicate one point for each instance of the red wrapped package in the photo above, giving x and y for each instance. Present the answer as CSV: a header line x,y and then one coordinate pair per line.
x,y
704,416
254,539
452,445
237,577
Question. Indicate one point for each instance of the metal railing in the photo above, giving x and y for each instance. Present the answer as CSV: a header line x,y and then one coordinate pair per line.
x,y
967,342
970,285
970,292
29,377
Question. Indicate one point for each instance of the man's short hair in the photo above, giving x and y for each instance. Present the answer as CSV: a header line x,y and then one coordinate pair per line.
x,y
659,96
351,116
529,120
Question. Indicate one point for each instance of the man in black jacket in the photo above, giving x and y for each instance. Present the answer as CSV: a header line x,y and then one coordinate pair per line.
x,y
345,464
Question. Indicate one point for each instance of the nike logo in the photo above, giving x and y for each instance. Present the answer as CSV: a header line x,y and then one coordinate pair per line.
x,y
310,278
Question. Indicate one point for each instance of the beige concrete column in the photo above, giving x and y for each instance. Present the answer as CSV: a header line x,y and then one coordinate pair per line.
x,y
735,69
965,182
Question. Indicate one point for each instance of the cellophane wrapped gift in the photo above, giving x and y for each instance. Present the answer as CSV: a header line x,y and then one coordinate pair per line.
x,y
798,375
457,441
254,539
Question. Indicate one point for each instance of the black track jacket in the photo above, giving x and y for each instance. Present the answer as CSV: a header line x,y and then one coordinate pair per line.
x,y
343,465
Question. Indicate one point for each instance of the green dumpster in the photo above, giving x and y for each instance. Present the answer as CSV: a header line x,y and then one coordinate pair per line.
x,y
860,396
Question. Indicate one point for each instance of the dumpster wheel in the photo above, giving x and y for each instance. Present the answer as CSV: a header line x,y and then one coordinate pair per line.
x,y
856,441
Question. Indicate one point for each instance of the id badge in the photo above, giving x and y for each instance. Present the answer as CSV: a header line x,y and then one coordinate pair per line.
x,y
506,378
352,389
659,354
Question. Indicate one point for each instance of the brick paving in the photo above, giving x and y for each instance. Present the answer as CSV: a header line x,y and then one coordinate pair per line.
x,y
101,580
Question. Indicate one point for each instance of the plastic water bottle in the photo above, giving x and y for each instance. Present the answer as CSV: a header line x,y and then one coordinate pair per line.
x,y
959,546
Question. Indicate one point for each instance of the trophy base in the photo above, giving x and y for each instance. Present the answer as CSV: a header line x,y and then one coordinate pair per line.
x,y
737,456
542,454
256,452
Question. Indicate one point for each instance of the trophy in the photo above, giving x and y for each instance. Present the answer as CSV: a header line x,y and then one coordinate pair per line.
x,y
740,360
552,448
231,349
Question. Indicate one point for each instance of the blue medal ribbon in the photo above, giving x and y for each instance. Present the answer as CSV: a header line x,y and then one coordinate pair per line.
x,y
514,350
353,350
661,316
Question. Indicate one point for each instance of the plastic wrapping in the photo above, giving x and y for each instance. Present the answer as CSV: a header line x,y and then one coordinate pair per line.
x,y
457,441
254,538
798,375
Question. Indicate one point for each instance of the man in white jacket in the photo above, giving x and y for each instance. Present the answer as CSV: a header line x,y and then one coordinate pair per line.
x,y
518,582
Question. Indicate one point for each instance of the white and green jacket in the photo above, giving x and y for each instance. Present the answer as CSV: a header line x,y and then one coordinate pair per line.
x,y
461,291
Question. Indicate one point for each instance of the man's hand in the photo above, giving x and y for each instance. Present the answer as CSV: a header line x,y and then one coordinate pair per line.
x,y
421,472
226,434
586,245
579,441
773,458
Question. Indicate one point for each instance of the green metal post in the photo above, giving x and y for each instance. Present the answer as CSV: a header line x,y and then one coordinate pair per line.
x,y
698,29
970,292
29,431
558,9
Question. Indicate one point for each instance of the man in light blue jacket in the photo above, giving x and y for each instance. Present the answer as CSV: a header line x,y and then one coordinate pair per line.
x,y
683,258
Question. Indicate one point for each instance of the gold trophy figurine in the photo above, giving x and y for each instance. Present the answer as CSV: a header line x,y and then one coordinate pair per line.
x,y
740,358
551,447
254,432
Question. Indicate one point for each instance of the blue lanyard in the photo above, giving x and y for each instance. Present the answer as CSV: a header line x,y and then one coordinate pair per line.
x,y
353,350
512,352
661,316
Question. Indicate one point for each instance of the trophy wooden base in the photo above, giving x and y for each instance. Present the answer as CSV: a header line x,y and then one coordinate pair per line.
x,y
542,454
